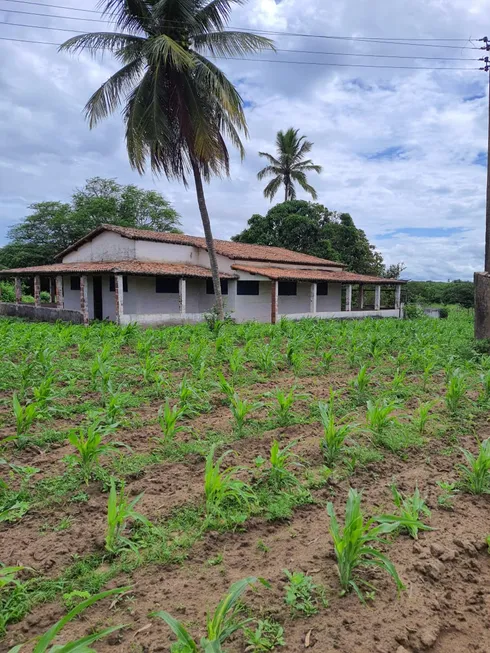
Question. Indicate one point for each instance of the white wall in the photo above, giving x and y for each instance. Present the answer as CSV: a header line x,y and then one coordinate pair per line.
x,y
299,303
142,298
254,307
332,301
107,246
147,250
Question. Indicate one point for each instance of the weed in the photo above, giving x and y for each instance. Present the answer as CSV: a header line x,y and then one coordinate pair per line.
x,y
411,508
266,636
303,596
446,498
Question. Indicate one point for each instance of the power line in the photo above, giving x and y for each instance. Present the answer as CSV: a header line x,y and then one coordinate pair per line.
x,y
420,42
281,61
34,13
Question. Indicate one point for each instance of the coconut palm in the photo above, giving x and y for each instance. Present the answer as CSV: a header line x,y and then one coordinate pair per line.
x,y
289,166
178,106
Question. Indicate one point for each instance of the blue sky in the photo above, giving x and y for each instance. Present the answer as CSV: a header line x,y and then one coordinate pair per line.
x,y
403,151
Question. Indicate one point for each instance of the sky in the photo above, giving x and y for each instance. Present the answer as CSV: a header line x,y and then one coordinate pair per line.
x,y
402,151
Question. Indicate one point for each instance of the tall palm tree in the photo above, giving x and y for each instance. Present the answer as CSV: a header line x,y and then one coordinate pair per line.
x,y
178,106
289,166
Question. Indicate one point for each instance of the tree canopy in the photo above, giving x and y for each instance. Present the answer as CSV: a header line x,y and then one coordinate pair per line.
x,y
53,226
312,229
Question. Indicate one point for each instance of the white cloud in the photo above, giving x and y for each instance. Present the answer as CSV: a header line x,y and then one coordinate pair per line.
x,y
398,147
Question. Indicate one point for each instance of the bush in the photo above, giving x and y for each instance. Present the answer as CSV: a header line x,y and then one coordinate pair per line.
x,y
7,291
45,296
413,311
443,312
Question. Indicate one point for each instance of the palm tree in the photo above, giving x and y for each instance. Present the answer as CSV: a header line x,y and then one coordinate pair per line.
x,y
289,166
178,106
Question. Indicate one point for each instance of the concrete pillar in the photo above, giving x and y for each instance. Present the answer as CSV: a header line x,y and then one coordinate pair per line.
x,y
274,301
59,298
360,299
377,298
18,290
398,295
482,305
37,290
52,291
313,296
182,296
119,296
84,298
348,297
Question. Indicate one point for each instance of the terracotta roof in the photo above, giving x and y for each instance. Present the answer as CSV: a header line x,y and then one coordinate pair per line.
x,y
227,248
284,274
120,267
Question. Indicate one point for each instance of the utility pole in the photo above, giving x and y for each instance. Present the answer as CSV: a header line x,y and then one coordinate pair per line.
x,y
482,279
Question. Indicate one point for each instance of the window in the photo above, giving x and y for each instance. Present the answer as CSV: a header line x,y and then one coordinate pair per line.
x,y
166,284
112,284
322,288
74,283
210,287
287,288
247,288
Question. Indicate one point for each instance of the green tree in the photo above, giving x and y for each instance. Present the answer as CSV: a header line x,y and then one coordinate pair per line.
x,y
312,229
289,165
178,105
52,226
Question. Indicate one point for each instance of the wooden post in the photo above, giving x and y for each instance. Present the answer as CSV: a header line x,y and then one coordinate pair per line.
x,y
274,301
398,295
313,296
37,290
377,298
360,299
84,298
60,300
52,291
348,297
18,290
482,305
182,296
119,296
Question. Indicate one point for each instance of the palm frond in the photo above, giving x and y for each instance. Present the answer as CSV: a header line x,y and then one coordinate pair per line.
x,y
164,49
272,187
270,158
211,78
307,166
304,147
215,15
268,171
134,15
230,44
300,177
108,97
97,41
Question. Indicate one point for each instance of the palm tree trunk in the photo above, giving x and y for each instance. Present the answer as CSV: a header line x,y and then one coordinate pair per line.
x,y
213,262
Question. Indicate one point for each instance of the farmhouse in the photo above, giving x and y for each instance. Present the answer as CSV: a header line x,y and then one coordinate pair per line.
x,y
131,275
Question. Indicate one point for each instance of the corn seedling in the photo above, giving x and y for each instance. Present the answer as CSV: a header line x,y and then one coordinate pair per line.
x,y
485,381
220,626
266,636
119,511
411,508
326,361
226,387
354,544
422,416
285,401
45,394
150,367
278,474
455,391
335,436
427,375
8,576
168,419
45,642
476,473
90,446
379,416
303,596
236,361
266,359
221,487
398,381
360,385
24,417
240,409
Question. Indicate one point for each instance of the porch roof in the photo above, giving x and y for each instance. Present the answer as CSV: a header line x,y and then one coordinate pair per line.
x,y
298,274
148,268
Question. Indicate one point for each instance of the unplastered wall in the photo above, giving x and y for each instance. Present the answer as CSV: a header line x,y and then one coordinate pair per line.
x,y
107,246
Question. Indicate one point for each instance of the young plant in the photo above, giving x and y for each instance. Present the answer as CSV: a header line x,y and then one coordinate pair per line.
x,y
45,642
8,576
455,391
24,417
266,359
360,385
326,361
379,415
448,492
221,487
485,380
422,416
476,473
354,544
236,361
411,508
285,401
90,446
240,409
220,626
168,419
278,474
226,387
335,435
119,511
266,636
303,596
45,394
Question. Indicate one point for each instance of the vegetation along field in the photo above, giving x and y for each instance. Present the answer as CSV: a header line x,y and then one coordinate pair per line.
x,y
316,485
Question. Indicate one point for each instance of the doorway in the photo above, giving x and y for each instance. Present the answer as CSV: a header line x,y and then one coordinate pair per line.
x,y
98,310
